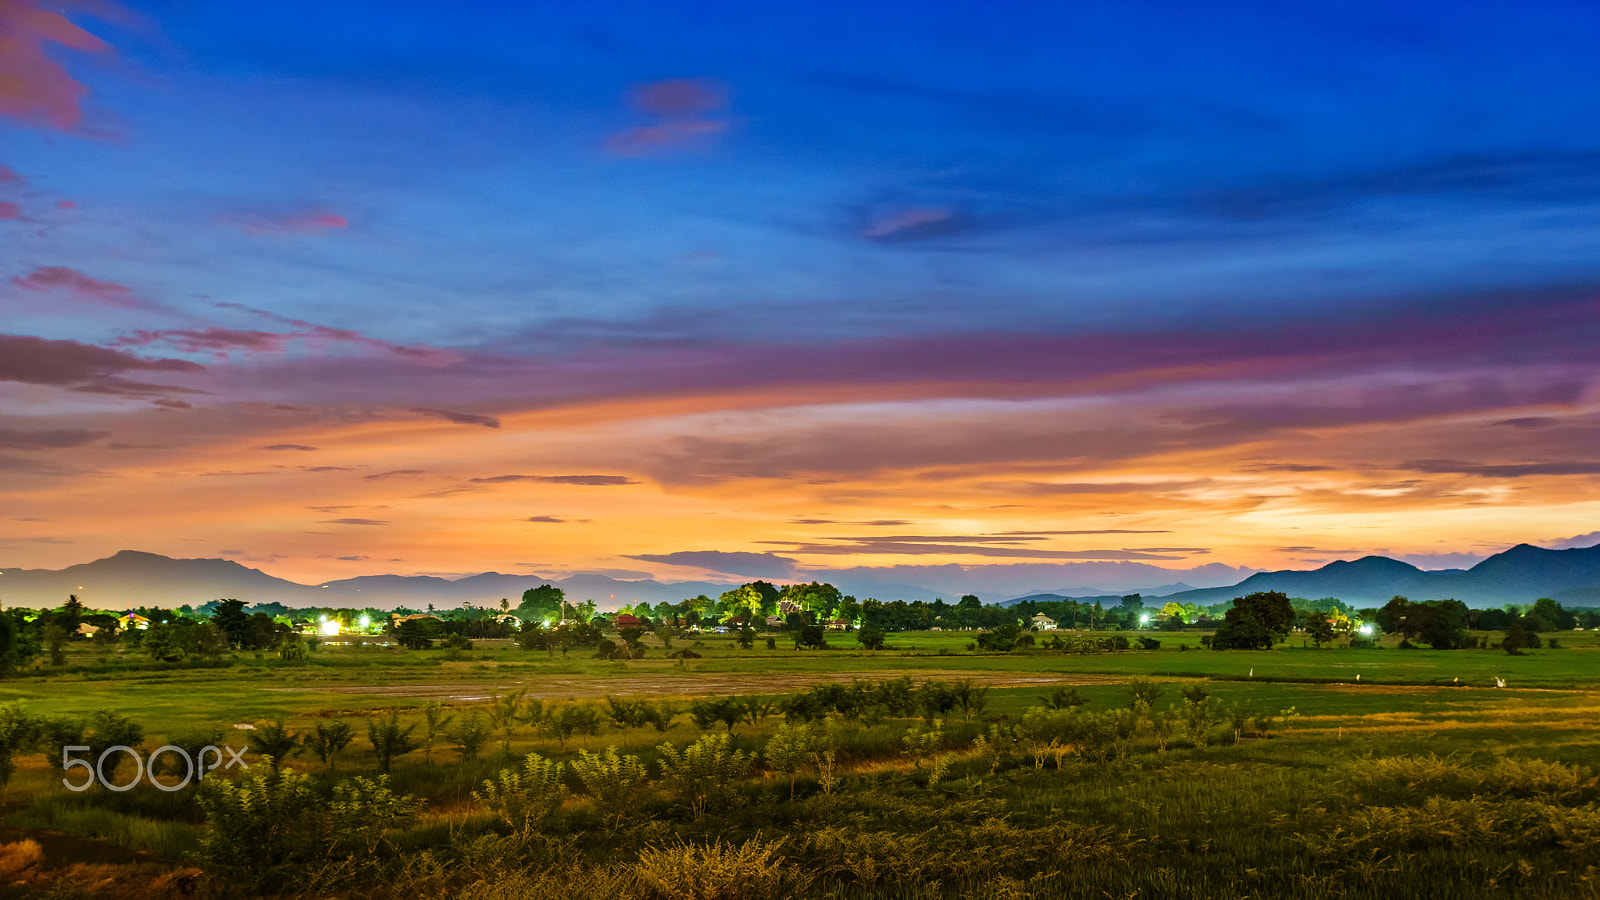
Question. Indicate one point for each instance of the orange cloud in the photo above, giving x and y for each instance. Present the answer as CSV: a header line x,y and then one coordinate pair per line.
x,y
34,88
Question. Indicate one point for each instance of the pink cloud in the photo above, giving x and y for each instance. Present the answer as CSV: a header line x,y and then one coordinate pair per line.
x,y
322,335
51,278
312,222
9,175
34,88
10,211
82,367
689,111
217,341
66,204
909,224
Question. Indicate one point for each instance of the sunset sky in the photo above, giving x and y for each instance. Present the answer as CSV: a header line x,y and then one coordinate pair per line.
x,y
731,290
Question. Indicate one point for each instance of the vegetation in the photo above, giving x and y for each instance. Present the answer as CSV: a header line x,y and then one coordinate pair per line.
x,y
1309,769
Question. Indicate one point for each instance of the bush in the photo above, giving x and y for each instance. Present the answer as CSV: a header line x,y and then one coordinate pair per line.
x,y
613,780
704,772
753,870
524,799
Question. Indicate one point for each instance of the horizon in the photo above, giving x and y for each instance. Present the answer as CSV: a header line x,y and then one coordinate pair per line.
x,y
747,295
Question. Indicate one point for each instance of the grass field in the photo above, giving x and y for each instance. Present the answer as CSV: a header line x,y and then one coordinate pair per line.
x,y
1275,806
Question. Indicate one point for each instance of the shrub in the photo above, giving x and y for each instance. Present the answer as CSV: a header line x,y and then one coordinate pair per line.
x,y
276,742
390,740
789,750
752,870
363,809
327,739
613,780
469,735
523,799
703,773
259,827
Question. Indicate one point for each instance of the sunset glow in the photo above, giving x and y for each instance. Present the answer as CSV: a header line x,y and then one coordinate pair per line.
x,y
750,296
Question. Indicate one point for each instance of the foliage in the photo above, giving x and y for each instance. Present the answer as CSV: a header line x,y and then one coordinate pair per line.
x,y
469,735
703,773
326,739
362,810
259,826
751,870
390,740
1255,622
523,799
612,779
275,742
790,749
870,637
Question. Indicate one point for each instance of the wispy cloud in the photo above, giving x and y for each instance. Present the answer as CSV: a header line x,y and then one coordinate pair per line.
x,y
587,480
683,114
460,418
80,286
38,91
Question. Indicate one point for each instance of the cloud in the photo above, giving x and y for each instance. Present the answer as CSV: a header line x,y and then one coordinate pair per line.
x,y
588,480
1529,422
327,468
50,278
310,222
217,341
317,336
171,403
1511,470
880,522
1577,543
460,418
35,89
914,224
354,521
287,447
10,211
686,112
83,367
546,520
396,473
54,439
755,565
970,545
9,175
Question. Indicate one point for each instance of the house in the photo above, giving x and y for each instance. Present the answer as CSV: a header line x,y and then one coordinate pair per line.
x,y
507,619
627,620
1042,622
131,620
838,624
774,622
85,629
396,620
787,606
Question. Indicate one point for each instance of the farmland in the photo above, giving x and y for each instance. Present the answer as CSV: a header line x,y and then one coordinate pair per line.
x,y
1421,777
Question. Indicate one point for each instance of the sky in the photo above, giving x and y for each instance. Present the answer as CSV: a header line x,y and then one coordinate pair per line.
x,y
733,290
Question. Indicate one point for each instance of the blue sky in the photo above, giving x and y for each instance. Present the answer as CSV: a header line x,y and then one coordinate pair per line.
x,y
1347,237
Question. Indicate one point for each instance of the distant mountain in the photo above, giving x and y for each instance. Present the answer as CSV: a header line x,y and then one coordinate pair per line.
x,y
131,578
1522,574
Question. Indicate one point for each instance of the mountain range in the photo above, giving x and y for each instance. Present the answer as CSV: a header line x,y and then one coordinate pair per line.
x,y
132,578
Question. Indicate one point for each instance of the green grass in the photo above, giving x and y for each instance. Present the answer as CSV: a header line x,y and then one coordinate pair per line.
x,y
1227,820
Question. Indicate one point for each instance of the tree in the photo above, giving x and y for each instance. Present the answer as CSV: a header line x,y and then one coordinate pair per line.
x,y
162,643
870,638
1518,639
276,741
542,605
415,634
1319,627
19,733
1557,618
55,637
229,615
469,735
327,739
434,725
390,740
71,615
811,637
1255,622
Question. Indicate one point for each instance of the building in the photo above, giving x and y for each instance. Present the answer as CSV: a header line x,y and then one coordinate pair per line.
x,y
1042,622
627,620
